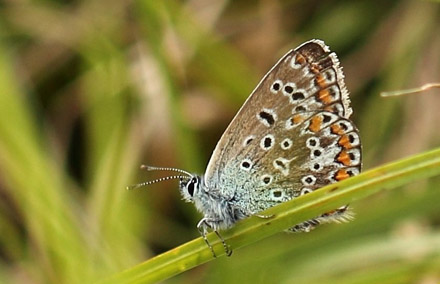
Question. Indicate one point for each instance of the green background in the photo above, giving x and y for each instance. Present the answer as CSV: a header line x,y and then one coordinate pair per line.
x,y
89,90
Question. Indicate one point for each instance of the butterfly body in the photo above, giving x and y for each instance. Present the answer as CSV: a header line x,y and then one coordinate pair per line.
x,y
220,212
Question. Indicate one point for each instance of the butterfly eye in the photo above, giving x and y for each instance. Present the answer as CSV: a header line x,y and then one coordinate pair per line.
x,y
190,186
191,189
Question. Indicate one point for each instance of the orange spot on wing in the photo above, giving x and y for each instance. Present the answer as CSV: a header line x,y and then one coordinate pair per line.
x,y
336,129
297,118
315,124
321,81
341,174
300,59
324,96
344,158
344,141
314,68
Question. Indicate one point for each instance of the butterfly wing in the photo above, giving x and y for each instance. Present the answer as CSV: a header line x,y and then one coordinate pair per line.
x,y
291,136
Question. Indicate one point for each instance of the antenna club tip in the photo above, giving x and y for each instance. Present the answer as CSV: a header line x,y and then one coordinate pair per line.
x,y
130,187
147,168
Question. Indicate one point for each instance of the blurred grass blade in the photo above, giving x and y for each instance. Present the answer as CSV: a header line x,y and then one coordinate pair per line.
x,y
38,186
285,215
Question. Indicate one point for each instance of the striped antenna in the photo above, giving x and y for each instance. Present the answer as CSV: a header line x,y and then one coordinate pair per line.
x,y
151,168
186,176
134,186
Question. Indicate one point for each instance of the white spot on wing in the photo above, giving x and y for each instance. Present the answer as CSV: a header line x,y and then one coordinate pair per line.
x,y
265,121
246,164
267,142
248,140
308,180
305,190
276,86
266,179
293,63
312,142
286,144
283,165
289,89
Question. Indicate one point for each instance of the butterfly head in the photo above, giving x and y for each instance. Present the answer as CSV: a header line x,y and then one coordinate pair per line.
x,y
190,187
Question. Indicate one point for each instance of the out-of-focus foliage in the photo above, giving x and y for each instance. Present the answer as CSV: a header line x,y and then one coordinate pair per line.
x,y
90,90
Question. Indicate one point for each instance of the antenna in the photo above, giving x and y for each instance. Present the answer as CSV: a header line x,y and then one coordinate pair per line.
x,y
134,186
151,168
186,176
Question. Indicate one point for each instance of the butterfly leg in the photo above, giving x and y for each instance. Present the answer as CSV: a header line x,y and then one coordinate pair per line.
x,y
228,250
202,226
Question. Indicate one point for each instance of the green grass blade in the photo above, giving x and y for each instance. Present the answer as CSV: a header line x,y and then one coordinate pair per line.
x,y
38,185
284,215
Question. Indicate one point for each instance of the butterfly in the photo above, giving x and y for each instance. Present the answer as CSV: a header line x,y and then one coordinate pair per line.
x,y
292,136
